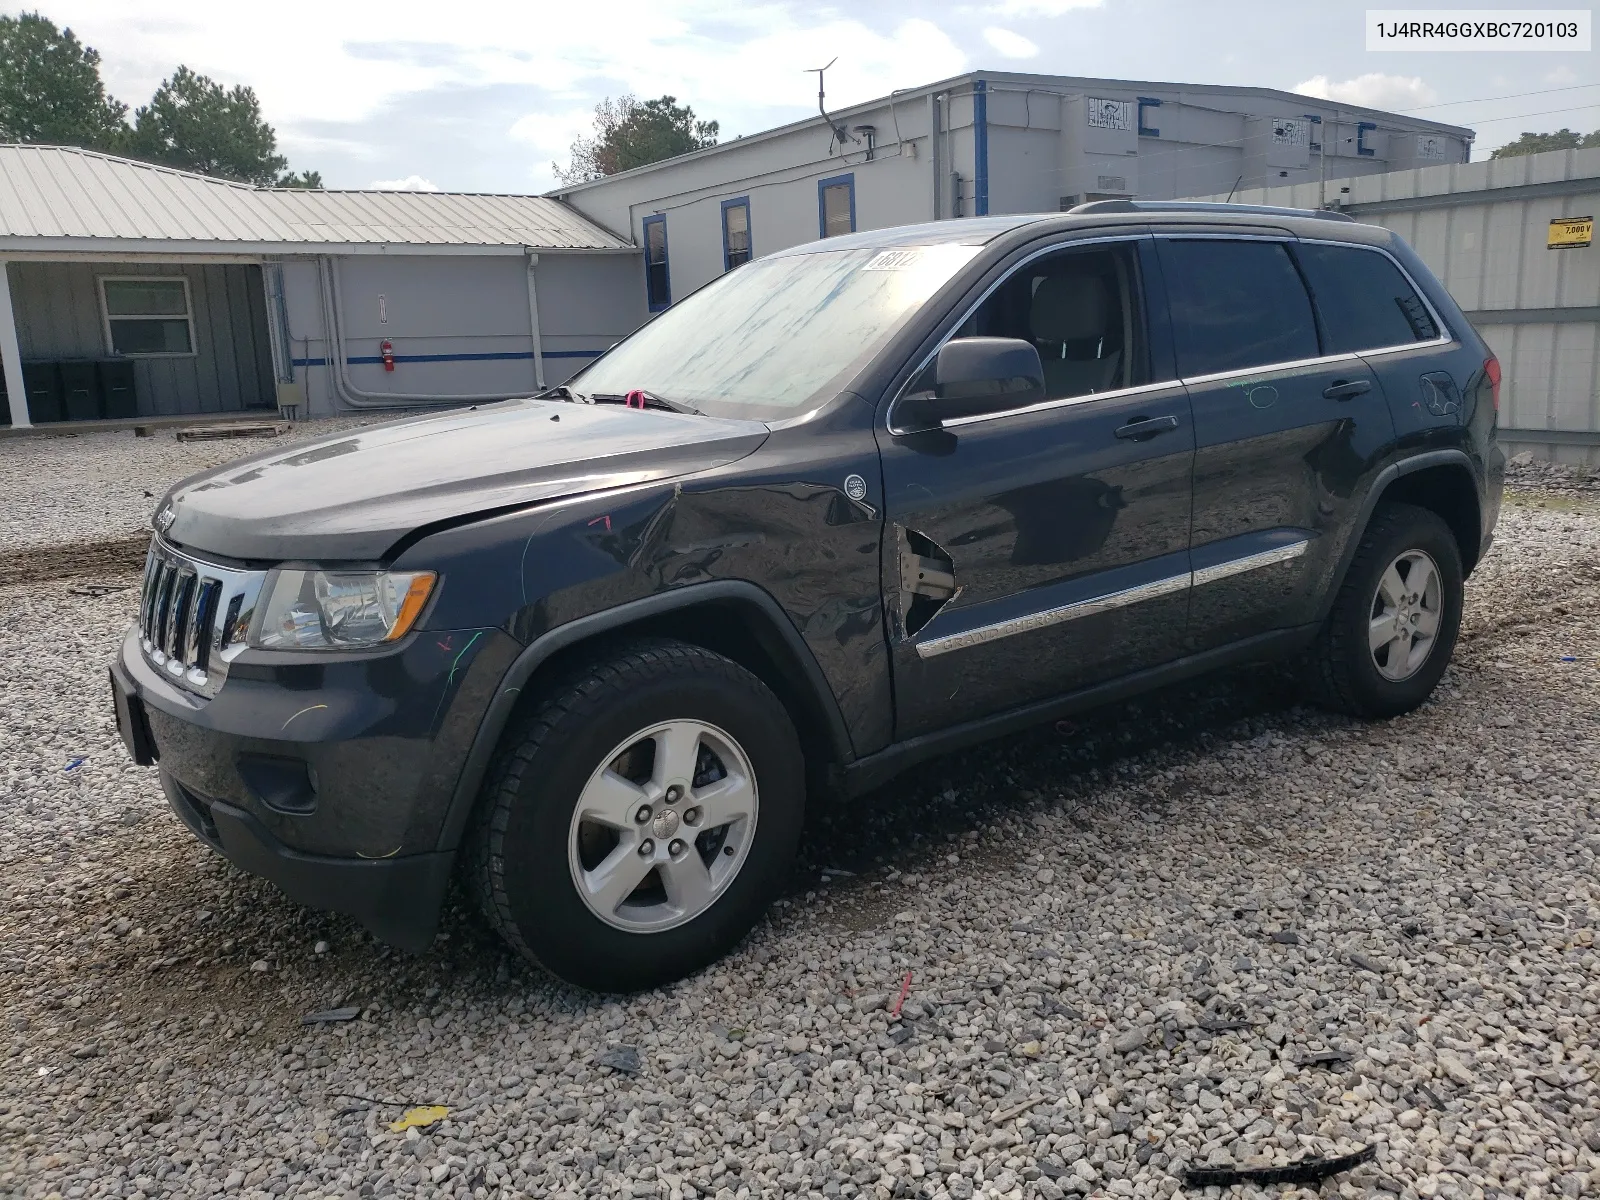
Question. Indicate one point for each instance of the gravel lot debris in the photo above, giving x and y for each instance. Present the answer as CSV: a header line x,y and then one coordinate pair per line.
x,y
1097,923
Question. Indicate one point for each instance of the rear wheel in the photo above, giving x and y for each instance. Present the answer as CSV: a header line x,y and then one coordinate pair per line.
x,y
642,817
1393,626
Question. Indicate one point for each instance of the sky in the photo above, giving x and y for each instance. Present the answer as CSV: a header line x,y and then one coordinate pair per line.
x,y
482,95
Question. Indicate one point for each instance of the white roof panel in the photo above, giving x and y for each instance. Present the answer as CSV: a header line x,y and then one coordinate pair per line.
x,y
58,192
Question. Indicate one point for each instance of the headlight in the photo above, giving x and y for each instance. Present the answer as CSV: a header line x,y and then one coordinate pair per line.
x,y
337,610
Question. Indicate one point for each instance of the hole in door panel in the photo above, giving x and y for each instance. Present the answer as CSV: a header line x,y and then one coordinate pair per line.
x,y
927,580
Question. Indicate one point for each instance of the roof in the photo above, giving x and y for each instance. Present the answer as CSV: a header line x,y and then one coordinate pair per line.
x,y
1136,216
841,116
66,198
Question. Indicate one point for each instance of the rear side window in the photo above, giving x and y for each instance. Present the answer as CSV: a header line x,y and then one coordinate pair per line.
x,y
1235,305
1364,301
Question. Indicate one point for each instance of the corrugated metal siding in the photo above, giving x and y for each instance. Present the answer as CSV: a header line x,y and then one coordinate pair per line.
x,y
1482,231
59,316
52,192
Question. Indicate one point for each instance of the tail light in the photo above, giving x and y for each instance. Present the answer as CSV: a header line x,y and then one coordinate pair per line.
x,y
1491,368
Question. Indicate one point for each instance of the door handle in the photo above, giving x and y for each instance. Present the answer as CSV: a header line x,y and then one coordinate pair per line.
x,y
1345,389
1146,427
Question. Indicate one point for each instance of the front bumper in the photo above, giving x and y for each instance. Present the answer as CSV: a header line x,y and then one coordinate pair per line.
x,y
332,778
398,899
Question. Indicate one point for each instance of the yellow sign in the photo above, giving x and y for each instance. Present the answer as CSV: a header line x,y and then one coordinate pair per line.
x,y
1567,232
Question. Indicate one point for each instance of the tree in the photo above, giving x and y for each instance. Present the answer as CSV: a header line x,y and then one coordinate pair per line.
x,y
50,88
1537,143
305,179
631,133
194,123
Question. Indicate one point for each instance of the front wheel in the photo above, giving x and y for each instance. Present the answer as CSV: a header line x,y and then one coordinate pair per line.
x,y
640,820
1394,622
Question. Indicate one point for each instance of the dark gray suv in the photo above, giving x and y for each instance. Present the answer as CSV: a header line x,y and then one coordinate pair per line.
x,y
849,506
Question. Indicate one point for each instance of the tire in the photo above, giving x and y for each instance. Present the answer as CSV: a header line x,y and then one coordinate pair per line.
x,y
1354,675
616,735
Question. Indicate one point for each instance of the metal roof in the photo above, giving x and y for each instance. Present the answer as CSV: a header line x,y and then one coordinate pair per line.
x,y
63,197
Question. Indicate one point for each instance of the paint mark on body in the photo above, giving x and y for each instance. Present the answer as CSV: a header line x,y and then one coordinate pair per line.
x,y
301,713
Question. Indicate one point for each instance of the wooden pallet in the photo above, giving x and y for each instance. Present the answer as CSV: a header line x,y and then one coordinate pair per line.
x,y
212,433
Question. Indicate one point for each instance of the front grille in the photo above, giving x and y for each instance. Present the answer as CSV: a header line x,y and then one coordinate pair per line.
x,y
193,616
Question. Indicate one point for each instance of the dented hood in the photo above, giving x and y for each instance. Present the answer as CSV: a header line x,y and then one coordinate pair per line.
x,y
351,496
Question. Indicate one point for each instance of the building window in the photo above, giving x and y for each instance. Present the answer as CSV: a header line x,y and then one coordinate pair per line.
x,y
657,281
836,205
147,317
735,232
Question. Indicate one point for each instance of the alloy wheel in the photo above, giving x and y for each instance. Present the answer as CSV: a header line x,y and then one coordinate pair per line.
x,y
663,826
1407,609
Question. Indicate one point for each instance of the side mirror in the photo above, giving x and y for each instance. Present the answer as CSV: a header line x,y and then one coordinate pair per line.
x,y
971,377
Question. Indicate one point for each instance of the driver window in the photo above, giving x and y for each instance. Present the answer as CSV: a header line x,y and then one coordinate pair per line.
x,y
1079,307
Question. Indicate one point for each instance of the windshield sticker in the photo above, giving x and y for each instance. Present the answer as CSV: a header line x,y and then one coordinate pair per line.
x,y
893,260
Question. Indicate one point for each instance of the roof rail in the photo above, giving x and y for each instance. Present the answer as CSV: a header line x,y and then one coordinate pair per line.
x,y
1203,206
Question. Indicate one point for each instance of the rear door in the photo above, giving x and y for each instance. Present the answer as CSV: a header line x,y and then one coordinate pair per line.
x,y
1044,549
1284,432
1367,305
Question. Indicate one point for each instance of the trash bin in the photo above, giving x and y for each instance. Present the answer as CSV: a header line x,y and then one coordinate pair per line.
x,y
118,396
42,382
80,389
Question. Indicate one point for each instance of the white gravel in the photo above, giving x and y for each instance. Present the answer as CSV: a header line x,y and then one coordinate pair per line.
x,y
75,487
1127,942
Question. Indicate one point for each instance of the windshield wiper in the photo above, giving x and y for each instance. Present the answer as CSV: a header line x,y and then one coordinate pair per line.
x,y
651,400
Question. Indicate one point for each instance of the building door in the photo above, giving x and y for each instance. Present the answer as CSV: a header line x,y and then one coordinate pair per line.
x,y
1057,533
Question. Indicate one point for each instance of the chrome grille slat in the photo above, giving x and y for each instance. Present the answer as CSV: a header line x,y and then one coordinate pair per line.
x,y
187,609
158,575
163,613
152,568
178,627
197,645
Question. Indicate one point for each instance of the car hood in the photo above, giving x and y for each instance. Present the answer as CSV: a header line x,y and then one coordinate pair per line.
x,y
351,496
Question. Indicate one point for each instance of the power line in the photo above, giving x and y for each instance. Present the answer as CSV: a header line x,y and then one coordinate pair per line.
x,y
1488,99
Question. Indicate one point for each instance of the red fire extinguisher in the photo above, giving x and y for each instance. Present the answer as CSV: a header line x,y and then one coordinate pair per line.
x,y
386,349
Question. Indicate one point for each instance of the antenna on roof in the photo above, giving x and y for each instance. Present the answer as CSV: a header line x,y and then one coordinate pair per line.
x,y
840,133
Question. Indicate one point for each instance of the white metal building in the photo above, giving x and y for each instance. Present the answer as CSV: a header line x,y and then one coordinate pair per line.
x,y
134,290
987,142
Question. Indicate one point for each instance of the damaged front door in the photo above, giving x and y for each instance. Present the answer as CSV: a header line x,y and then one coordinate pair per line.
x,y
1046,549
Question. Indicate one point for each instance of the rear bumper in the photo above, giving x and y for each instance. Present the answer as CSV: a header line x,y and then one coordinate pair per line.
x,y
397,899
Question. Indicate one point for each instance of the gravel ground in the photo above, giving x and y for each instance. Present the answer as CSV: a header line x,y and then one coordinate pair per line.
x,y
72,488
1207,927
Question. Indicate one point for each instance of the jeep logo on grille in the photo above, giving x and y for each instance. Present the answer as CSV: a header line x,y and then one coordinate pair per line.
x,y
165,518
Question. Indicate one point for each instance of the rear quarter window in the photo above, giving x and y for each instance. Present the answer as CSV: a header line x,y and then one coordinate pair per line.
x,y
1363,299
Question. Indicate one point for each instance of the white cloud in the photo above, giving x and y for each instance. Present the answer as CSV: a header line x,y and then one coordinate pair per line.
x,y
552,133
1374,90
1040,8
723,59
411,183
1008,44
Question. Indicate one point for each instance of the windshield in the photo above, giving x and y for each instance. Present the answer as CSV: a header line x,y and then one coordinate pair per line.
x,y
766,338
